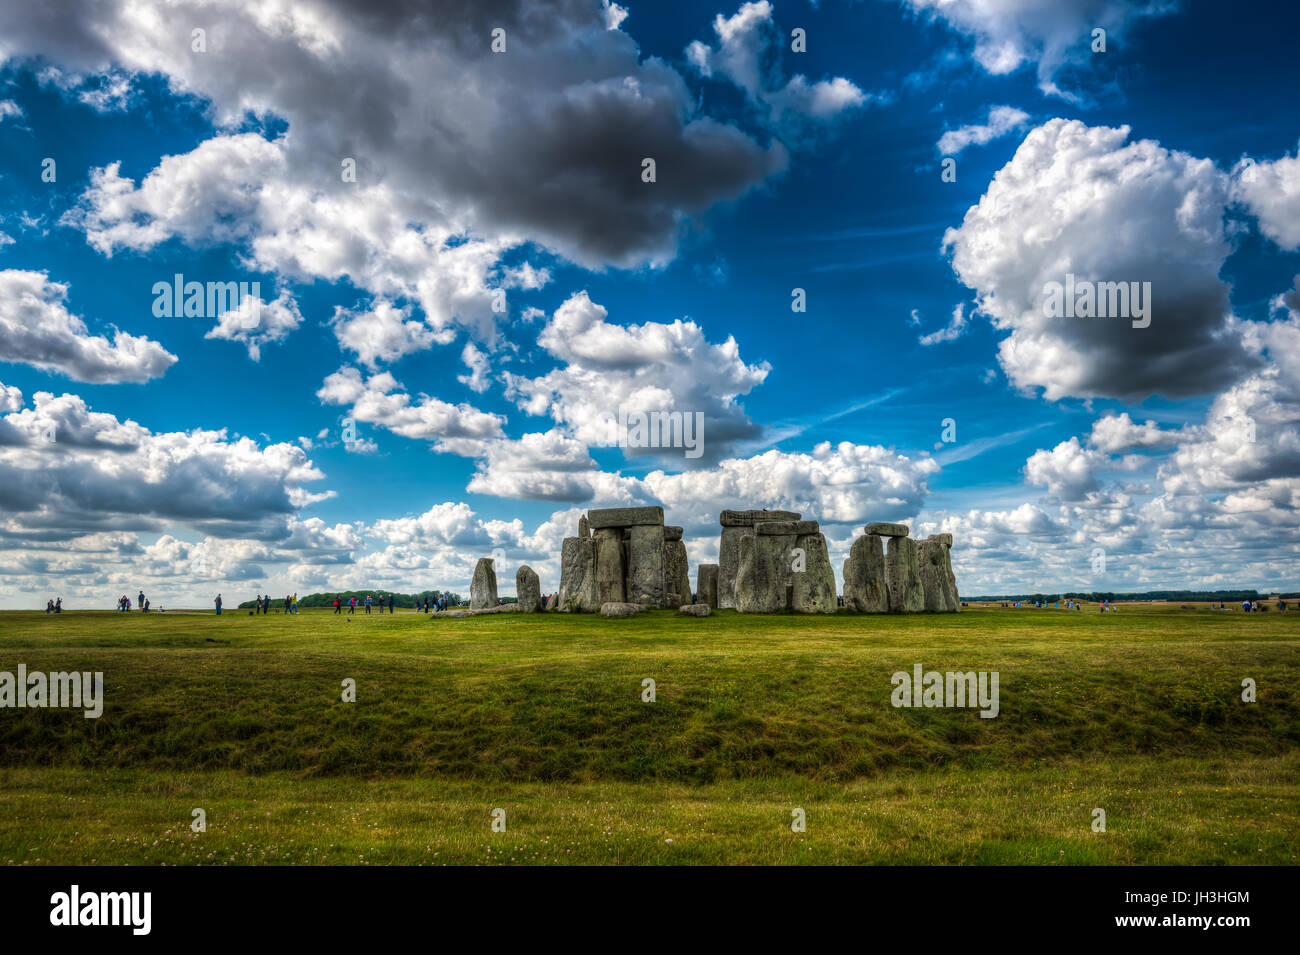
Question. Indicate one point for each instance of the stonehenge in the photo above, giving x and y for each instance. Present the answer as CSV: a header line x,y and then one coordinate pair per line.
x,y
781,563
630,557
769,561
736,524
910,577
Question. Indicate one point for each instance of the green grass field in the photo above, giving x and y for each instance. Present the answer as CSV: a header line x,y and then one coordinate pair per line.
x,y
1138,713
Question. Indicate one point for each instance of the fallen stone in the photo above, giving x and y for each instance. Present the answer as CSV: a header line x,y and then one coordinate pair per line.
x,y
578,576
483,588
864,577
624,516
645,565
462,612
528,590
706,585
888,530
696,610
616,609
814,586
902,576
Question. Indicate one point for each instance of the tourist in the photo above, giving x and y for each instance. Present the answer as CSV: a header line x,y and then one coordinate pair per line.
x,y
49,606
369,603
352,605
294,605
146,604
391,602
218,603
58,605
338,606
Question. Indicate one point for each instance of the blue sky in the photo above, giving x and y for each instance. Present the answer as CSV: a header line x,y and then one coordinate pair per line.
x,y
216,452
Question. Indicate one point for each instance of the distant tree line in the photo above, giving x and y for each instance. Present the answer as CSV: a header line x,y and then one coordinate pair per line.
x,y
1171,595
409,601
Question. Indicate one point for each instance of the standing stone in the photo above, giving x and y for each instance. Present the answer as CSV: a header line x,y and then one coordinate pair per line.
x,y
584,526
578,576
677,580
937,579
902,577
610,569
552,602
814,586
528,590
729,562
864,576
645,564
763,575
483,588
706,585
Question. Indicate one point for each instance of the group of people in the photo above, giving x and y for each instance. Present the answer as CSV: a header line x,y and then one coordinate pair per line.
x,y
263,604
54,606
124,603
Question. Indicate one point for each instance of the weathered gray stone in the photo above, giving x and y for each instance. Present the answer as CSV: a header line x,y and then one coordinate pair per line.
x,y
944,539
528,590
763,573
902,577
584,526
736,524
645,565
696,610
776,528
706,585
614,609
814,586
728,562
864,576
552,602
483,588
750,518
672,532
888,530
461,612
677,580
624,516
937,580
610,567
578,576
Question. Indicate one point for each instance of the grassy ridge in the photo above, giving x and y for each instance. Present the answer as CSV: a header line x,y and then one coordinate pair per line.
x,y
558,698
